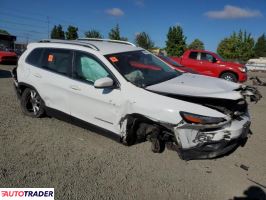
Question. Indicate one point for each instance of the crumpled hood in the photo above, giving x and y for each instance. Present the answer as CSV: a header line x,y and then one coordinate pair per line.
x,y
198,85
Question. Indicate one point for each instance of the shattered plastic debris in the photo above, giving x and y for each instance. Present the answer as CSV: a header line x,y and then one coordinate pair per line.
x,y
244,167
257,81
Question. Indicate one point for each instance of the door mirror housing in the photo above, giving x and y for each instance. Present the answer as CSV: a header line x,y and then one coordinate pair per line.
x,y
214,60
105,82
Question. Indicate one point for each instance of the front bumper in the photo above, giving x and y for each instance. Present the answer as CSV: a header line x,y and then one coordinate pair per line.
x,y
206,142
242,77
15,82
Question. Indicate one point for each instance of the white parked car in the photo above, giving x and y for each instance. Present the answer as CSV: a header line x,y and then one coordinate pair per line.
x,y
133,95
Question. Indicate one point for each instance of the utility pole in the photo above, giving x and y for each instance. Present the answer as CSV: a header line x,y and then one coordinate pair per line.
x,y
48,27
27,38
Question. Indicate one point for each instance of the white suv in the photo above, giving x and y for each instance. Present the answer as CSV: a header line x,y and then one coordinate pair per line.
x,y
134,95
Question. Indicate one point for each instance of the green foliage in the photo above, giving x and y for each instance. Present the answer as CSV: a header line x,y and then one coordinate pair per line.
x,y
72,33
143,40
196,44
93,34
4,32
176,41
237,47
114,34
57,32
260,47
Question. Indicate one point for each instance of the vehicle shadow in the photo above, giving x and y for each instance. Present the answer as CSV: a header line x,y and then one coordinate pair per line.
x,y
252,193
5,74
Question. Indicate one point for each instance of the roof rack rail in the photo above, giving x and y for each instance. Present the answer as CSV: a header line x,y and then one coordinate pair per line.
x,y
107,40
74,42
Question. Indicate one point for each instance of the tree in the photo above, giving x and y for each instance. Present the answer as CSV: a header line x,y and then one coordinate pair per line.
x,y
260,47
4,32
237,46
57,32
93,34
143,40
72,33
196,44
114,34
176,41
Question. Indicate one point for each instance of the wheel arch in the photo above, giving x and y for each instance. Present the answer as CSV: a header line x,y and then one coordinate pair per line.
x,y
229,71
22,86
134,121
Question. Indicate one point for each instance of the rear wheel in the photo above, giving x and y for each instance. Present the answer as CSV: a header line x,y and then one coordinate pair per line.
x,y
229,77
31,103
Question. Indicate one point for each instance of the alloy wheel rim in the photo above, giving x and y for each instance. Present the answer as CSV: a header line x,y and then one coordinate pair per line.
x,y
228,78
35,102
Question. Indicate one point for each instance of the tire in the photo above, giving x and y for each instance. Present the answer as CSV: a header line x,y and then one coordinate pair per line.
x,y
31,103
157,146
229,77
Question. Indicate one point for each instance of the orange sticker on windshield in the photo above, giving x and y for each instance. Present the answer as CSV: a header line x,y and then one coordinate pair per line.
x,y
113,59
50,58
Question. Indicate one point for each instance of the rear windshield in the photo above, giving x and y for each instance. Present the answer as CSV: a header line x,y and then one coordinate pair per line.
x,y
142,68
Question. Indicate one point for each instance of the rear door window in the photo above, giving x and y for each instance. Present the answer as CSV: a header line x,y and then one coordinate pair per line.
x,y
57,60
193,55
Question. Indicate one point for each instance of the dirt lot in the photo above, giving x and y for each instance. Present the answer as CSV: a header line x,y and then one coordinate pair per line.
x,y
80,164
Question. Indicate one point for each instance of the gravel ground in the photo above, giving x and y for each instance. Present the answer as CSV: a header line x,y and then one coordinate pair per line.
x,y
81,164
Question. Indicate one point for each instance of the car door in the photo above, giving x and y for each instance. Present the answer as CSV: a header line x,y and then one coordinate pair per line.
x,y
208,65
93,105
51,75
192,61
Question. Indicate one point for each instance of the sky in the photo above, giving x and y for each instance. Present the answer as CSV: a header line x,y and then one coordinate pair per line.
x,y
208,20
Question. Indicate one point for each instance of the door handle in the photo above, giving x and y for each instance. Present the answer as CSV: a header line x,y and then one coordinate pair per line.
x,y
37,75
74,87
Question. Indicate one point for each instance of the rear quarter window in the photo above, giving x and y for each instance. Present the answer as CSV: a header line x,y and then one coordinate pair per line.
x,y
34,57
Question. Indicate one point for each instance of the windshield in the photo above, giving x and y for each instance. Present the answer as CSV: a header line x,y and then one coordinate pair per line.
x,y
142,68
220,57
170,61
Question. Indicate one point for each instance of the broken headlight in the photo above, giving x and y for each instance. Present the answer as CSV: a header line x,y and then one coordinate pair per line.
x,y
200,119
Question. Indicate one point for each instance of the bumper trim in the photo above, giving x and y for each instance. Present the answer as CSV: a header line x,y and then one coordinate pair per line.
x,y
212,149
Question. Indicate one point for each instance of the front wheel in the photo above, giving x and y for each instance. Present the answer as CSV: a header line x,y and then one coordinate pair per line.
x,y
157,145
229,77
31,103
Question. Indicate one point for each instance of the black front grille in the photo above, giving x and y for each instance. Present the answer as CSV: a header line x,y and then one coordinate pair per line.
x,y
233,107
227,106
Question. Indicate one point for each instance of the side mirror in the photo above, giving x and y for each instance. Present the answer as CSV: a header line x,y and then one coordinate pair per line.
x,y
105,82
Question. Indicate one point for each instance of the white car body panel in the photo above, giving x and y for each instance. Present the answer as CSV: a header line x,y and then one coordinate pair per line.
x,y
108,108
97,106
198,85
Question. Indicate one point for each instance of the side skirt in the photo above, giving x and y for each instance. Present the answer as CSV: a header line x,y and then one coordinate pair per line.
x,y
81,123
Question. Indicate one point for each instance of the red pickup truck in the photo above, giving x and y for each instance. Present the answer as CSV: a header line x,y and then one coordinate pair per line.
x,y
210,64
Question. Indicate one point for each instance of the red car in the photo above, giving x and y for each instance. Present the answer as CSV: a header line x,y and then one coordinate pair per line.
x,y
210,64
8,57
176,65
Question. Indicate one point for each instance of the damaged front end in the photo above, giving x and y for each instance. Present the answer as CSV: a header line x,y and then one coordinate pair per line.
x,y
250,92
199,141
201,137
